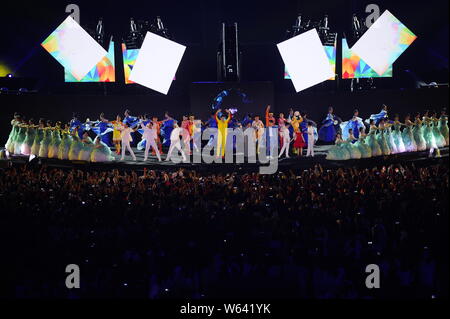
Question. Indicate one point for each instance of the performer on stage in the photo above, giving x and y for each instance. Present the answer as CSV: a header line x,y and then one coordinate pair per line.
x,y
157,126
38,138
258,126
310,132
30,133
222,132
76,145
339,151
408,135
354,124
86,149
397,134
440,140
362,144
75,123
351,146
56,140
383,138
125,135
117,140
299,141
166,129
286,139
46,140
271,129
150,135
64,146
101,152
12,135
186,136
175,142
418,133
383,115
330,127
372,140
443,126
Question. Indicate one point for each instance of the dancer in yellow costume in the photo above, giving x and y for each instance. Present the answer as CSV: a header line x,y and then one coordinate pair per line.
x,y
222,127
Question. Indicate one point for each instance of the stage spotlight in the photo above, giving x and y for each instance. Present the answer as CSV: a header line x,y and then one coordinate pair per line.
x,y
9,75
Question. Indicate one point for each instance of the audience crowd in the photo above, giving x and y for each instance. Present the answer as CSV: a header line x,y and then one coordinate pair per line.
x,y
187,234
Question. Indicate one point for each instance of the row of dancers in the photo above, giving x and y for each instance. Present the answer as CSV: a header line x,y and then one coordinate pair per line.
x,y
351,141
386,137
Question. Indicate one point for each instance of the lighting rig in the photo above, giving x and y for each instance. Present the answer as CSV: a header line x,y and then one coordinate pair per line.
x,y
229,54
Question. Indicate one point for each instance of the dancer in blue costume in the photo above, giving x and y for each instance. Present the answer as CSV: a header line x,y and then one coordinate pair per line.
x,y
408,135
362,144
46,140
330,127
167,128
353,124
66,142
339,151
104,129
372,140
397,134
56,140
383,115
443,126
75,123
38,137
418,131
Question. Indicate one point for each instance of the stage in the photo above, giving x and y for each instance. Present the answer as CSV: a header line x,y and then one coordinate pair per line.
x,y
284,164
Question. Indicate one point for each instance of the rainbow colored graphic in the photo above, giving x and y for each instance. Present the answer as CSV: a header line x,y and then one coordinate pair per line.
x,y
355,68
104,71
129,59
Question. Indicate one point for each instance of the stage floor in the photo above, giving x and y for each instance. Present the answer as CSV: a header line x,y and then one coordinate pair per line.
x,y
293,163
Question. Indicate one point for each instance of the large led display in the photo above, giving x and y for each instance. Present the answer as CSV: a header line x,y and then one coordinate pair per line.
x,y
157,63
129,59
383,43
331,54
306,60
74,48
353,67
104,71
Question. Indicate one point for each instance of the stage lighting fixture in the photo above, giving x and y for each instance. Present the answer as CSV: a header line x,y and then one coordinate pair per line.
x,y
74,48
305,58
157,63
9,75
228,55
382,44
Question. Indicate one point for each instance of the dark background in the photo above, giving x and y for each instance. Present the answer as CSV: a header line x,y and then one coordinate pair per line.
x,y
196,24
